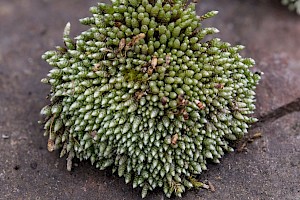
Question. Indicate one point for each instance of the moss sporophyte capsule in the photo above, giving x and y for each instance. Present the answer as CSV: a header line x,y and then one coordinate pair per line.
x,y
142,92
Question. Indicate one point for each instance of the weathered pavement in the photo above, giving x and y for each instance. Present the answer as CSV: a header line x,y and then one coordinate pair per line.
x,y
269,167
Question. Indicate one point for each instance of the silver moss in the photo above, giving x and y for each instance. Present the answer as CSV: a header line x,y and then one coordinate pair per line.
x,y
292,5
143,92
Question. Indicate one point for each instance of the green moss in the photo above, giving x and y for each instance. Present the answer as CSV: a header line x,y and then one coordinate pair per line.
x,y
143,92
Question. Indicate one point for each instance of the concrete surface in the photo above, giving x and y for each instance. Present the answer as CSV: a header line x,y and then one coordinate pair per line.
x,y
268,168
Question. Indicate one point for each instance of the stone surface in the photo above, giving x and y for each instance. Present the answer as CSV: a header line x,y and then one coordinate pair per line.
x,y
269,169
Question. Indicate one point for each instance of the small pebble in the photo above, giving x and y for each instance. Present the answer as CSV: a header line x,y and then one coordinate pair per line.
x,y
5,136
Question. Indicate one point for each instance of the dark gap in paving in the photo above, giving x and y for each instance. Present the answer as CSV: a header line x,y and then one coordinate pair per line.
x,y
291,107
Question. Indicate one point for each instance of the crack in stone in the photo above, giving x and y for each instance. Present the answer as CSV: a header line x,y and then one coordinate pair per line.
x,y
291,107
